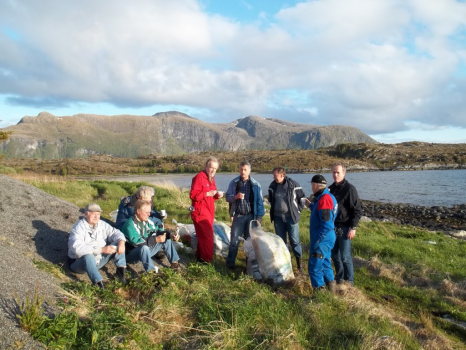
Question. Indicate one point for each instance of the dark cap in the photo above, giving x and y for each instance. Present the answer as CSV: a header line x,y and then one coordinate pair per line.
x,y
319,179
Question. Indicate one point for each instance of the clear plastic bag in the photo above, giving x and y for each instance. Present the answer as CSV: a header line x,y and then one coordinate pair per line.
x,y
272,254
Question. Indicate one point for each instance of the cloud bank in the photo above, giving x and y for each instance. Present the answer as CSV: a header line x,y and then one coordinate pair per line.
x,y
381,66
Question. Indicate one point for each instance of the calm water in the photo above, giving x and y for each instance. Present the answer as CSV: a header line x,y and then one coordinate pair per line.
x,y
429,188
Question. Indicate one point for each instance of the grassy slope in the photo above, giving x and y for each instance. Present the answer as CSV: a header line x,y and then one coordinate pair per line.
x,y
402,282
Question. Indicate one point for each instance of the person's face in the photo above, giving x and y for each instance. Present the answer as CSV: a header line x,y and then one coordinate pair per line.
x,y
244,172
211,169
338,173
278,177
143,213
92,217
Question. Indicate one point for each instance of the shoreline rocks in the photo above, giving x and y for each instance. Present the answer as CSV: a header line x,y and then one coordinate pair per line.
x,y
451,220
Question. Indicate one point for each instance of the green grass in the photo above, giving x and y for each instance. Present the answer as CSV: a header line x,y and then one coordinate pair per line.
x,y
402,284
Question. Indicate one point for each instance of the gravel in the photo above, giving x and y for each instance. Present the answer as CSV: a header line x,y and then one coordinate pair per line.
x,y
33,226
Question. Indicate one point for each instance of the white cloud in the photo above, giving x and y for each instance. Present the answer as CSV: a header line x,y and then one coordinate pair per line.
x,y
370,64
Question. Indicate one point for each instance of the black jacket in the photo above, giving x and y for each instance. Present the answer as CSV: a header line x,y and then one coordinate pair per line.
x,y
294,194
349,204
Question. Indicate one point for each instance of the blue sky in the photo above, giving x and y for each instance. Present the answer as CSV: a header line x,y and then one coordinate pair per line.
x,y
393,69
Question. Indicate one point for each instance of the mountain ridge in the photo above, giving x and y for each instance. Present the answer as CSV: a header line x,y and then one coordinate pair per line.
x,y
166,133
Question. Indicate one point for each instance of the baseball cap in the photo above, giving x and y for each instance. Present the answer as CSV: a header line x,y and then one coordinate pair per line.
x,y
92,207
319,179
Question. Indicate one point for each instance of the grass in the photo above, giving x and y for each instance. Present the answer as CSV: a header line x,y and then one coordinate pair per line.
x,y
403,286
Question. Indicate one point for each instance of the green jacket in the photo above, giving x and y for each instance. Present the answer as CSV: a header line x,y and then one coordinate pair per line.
x,y
136,232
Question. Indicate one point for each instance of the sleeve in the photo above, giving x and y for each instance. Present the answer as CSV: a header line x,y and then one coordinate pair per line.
x,y
325,212
299,194
113,234
131,234
122,216
355,207
231,192
77,242
260,203
197,193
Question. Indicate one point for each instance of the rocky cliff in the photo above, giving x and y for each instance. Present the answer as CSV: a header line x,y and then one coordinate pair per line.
x,y
169,133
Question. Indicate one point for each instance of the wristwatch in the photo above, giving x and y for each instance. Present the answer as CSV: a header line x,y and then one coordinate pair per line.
x,y
353,228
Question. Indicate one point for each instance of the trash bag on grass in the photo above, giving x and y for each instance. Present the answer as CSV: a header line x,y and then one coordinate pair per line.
x,y
221,237
252,265
271,253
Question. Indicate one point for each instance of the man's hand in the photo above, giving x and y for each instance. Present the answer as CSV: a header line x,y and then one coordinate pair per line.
x,y
351,234
239,195
109,249
121,247
161,238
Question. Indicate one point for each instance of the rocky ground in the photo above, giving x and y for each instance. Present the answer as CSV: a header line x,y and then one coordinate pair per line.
x,y
451,220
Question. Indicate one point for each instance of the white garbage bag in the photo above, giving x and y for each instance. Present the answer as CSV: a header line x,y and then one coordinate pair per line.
x,y
221,239
271,253
252,265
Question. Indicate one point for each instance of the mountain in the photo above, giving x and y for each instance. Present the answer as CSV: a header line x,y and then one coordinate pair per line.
x,y
168,133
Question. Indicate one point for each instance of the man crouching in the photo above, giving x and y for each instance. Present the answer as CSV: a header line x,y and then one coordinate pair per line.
x,y
146,238
93,243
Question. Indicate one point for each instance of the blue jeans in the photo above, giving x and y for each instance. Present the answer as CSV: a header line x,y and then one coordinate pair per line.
x,y
320,269
284,225
341,256
87,264
240,227
144,254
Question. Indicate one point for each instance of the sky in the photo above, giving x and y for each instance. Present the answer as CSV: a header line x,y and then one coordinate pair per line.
x,y
395,69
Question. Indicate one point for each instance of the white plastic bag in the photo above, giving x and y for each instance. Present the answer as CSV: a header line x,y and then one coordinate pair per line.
x,y
252,265
271,253
221,239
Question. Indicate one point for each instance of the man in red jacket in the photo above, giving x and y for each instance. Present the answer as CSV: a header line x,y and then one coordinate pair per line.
x,y
203,194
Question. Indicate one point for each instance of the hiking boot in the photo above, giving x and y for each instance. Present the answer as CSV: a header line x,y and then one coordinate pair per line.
x,y
175,265
332,287
121,274
100,284
299,265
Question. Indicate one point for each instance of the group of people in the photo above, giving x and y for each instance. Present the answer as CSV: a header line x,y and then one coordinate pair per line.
x,y
139,233
335,214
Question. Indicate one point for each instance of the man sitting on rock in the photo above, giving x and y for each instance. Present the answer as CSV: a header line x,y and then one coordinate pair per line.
x,y
138,230
126,207
93,243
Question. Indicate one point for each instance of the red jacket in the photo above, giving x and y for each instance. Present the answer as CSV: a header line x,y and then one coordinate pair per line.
x,y
203,205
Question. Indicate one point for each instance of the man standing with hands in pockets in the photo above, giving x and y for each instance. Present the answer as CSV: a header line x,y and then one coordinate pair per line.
x,y
203,194
245,197
346,222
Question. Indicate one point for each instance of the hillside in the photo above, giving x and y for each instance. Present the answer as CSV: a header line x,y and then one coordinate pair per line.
x,y
170,133
403,156
358,157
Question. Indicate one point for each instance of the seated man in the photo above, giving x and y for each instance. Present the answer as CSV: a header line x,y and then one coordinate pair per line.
x,y
138,229
93,243
126,207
